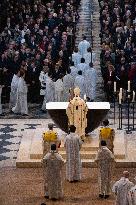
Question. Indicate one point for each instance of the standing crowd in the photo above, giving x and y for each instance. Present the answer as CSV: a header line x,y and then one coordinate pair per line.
x,y
118,44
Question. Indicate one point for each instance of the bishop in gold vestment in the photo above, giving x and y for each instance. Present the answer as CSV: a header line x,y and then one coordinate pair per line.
x,y
76,112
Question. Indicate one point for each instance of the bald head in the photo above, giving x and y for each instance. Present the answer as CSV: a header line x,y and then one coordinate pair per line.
x,y
126,174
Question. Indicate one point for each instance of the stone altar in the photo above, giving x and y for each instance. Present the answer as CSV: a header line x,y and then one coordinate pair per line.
x,y
97,111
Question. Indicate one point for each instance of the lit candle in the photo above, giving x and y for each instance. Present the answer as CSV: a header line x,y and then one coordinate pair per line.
x,y
85,97
120,93
129,86
119,99
133,100
115,87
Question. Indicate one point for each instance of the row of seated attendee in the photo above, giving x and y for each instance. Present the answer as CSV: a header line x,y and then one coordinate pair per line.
x,y
118,44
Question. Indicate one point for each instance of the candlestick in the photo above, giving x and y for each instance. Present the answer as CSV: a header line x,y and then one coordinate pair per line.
x,y
120,98
133,100
129,86
121,93
85,97
115,87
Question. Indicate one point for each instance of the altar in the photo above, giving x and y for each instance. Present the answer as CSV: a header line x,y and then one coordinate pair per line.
x,y
97,111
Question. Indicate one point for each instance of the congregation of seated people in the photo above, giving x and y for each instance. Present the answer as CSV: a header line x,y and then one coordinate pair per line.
x,y
118,44
37,36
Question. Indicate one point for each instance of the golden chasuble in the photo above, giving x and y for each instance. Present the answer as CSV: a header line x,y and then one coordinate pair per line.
x,y
76,112
50,136
105,133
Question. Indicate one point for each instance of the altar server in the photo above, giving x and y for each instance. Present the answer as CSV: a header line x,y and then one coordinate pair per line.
x,y
49,92
59,89
53,166
82,66
83,46
105,160
121,189
80,82
21,104
91,79
132,195
76,57
13,92
107,134
68,83
73,162
74,70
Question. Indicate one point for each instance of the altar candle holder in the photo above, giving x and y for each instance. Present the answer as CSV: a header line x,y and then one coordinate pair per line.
x,y
128,131
120,113
133,110
114,106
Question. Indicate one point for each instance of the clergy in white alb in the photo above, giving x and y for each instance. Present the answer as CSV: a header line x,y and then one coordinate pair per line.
x,y
83,46
72,145
74,70
121,189
76,57
13,92
49,91
42,78
90,57
82,66
59,89
53,174
21,103
105,161
68,83
132,195
80,82
91,79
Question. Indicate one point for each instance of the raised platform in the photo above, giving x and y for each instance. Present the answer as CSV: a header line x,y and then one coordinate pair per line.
x,y
30,152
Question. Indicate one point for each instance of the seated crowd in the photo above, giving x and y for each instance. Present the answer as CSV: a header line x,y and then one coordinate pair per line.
x,y
118,43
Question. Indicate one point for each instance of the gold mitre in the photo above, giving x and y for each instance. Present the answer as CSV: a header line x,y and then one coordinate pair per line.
x,y
77,91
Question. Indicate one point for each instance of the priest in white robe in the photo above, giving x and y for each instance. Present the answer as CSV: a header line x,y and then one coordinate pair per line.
x,y
132,195
49,92
104,159
13,92
59,89
90,57
21,104
80,82
74,70
121,189
82,66
91,79
76,57
83,46
53,170
72,145
68,84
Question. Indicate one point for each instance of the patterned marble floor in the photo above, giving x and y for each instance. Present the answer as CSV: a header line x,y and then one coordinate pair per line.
x,y
11,132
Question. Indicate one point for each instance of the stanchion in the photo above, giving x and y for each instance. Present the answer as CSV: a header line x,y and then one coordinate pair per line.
x,y
128,115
